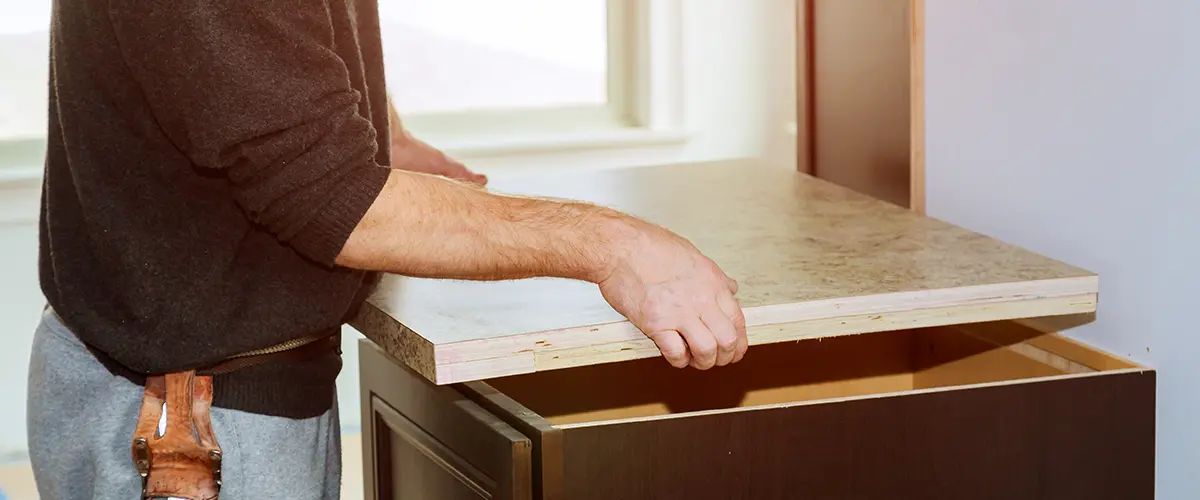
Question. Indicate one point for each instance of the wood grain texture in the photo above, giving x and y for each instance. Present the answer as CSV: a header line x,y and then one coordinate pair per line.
x,y
1073,438
812,259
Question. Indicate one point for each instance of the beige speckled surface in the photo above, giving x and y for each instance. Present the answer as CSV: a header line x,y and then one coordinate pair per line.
x,y
800,248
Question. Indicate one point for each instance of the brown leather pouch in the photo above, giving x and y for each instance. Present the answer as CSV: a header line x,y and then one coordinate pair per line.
x,y
185,460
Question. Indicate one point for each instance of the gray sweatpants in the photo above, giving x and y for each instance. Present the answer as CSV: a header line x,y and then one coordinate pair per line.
x,y
81,420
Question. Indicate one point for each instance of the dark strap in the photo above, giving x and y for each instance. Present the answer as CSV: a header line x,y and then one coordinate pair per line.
x,y
305,349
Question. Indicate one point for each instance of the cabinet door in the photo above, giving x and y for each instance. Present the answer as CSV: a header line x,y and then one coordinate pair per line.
x,y
424,442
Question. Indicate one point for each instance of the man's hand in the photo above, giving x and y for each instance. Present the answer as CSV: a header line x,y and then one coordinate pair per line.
x,y
414,155
679,298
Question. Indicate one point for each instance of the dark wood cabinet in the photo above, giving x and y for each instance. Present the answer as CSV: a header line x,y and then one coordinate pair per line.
x,y
993,410
424,442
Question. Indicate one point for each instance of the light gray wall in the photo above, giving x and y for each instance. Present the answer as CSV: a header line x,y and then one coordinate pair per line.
x,y
1072,127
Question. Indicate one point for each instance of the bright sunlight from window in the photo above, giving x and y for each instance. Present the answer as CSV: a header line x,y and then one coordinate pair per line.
x,y
472,55
442,56
24,36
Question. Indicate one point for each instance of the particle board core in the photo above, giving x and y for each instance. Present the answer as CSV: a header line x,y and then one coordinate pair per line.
x,y
812,260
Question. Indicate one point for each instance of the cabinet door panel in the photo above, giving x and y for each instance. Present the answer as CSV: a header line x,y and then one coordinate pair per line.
x,y
416,466
425,442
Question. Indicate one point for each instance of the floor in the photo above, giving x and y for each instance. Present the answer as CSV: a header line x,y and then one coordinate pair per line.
x,y
16,481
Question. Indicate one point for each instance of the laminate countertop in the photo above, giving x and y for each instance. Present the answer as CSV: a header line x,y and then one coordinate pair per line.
x,y
812,260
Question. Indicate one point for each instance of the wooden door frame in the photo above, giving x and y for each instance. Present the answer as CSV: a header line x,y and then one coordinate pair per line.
x,y
806,97
916,75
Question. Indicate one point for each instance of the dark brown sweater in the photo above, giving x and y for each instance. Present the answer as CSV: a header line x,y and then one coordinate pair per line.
x,y
206,161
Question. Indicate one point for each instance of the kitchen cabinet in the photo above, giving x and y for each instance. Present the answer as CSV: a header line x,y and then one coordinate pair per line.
x,y
892,355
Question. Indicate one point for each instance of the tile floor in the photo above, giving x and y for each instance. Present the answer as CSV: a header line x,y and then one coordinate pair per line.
x,y
16,481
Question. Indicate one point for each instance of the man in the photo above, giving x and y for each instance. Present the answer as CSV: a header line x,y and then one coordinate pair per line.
x,y
217,183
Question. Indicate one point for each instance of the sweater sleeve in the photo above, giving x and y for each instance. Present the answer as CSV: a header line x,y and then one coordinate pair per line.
x,y
253,90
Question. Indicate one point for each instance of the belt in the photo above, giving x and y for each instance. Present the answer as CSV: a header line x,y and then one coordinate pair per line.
x,y
293,350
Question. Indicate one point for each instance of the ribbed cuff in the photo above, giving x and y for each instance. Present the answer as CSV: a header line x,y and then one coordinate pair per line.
x,y
324,236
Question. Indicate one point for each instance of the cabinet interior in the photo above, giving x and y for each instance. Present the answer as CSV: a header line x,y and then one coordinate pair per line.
x,y
790,372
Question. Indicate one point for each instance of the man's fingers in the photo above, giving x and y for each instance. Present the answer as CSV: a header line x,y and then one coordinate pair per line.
x,y
672,347
701,343
737,318
723,331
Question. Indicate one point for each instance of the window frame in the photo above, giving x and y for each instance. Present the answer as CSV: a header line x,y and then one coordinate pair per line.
x,y
643,106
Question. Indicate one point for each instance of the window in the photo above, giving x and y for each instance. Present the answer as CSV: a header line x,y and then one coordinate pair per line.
x,y
486,69
515,54
460,71
24,38
24,42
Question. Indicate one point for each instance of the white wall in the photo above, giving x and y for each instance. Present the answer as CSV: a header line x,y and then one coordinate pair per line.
x,y
738,98
20,307
1070,127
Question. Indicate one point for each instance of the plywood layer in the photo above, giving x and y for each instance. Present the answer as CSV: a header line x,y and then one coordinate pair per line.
x,y
812,259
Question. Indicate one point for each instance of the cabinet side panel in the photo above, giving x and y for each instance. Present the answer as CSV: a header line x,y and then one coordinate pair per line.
x,y
1088,437
861,78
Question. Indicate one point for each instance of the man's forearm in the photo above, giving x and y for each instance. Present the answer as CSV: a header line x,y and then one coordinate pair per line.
x,y
427,226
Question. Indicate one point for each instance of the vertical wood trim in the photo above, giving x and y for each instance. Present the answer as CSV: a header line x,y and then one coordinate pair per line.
x,y
626,62
807,103
806,135
384,485
370,438
917,108
547,440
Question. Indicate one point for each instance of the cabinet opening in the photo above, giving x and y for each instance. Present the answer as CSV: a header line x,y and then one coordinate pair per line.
x,y
807,370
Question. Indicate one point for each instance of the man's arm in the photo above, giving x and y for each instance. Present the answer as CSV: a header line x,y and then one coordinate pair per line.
x,y
428,226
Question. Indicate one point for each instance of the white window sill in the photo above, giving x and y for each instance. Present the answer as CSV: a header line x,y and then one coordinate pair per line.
x,y
12,177
557,144
564,148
